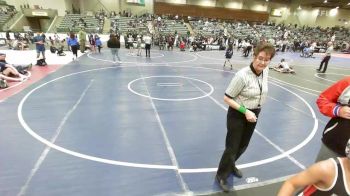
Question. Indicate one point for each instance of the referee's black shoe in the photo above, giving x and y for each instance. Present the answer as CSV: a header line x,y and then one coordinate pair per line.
x,y
237,172
222,183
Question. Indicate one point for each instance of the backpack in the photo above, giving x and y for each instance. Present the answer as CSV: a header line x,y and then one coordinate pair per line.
x,y
41,62
60,52
53,49
3,84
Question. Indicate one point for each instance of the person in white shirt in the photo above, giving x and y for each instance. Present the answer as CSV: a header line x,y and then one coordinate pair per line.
x,y
326,58
148,40
138,45
333,38
245,95
283,67
131,44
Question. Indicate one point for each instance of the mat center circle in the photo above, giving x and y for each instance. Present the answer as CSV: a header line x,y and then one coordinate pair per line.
x,y
170,88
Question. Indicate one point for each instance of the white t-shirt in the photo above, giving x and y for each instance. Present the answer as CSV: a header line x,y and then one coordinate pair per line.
x,y
147,39
333,38
284,65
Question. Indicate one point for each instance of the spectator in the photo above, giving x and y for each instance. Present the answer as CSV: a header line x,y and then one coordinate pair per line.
x,y
40,45
82,39
334,102
98,43
73,44
114,44
228,54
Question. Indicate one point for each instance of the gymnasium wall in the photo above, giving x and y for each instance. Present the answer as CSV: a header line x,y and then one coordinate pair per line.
x,y
116,5
137,9
19,26
173,1
94,5
202,3
208,11
313,16
60,5
230,4
342,18
289,11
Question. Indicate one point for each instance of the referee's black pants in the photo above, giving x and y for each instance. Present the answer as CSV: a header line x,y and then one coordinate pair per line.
x,y
148,50
325,61
239,133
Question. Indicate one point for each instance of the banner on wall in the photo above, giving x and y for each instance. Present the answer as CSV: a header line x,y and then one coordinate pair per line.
x,y
139,2
276,12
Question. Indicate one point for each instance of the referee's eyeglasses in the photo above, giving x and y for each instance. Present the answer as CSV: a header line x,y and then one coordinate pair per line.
x,y
262,60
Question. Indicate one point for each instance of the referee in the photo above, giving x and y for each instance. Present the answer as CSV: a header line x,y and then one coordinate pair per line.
x,y
245,95
326,58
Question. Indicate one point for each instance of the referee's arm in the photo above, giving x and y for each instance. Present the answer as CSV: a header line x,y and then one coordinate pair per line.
x,y
249,115
232,103
233,90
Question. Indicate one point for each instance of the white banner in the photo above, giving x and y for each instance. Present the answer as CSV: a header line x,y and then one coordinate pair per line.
x,y
35,13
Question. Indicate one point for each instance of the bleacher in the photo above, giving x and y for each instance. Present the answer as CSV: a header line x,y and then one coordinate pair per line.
x,y
4,18
171,26
6,12
126,24
209,29
72,22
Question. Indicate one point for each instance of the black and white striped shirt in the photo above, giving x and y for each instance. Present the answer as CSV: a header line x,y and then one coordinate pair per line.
x,y
248,88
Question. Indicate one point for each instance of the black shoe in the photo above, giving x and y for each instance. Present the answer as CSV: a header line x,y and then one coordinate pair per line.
x,y
237,172
222,183
318,70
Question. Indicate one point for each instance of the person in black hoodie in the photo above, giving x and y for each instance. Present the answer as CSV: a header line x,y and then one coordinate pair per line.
x,y
114,44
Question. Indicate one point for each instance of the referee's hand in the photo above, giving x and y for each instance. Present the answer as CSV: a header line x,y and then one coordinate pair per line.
x,y
250,116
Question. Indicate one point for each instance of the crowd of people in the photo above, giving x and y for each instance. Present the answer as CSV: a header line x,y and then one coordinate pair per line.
x,y
208,34
247,90
8,10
